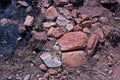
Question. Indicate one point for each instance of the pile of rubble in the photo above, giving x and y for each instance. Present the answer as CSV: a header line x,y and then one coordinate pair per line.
x,y
69,35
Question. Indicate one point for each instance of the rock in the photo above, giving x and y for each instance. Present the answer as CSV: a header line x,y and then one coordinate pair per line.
x,y
78,28
86,24
77,20
95,25
45,3
61,2
23,3
42,36
65,12
22,31
74,59
43,67
52,71
86,30
108,1
107,29
95,19
78,72
49,60
46,75
100,34
29,9
74,13
69,6
72,41
69,27
104,20
51,13
92,42
27,77
49,24
84,18
56,32
62,21
4,21
28,20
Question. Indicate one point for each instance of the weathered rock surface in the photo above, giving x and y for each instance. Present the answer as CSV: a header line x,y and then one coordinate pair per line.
x,y
49,60
74,59
72,41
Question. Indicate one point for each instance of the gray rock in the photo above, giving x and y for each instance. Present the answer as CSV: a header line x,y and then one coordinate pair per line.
x,y
49,60
27,77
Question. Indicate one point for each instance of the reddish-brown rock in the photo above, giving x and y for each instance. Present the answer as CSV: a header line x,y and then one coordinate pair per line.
x,y
74,13
49,24
92,42
43,67
78,28
84,18
108,1
77,20
74,59
107,29
28,20
61,2
51,13
72,41
100,34
22,31
86,24
52,71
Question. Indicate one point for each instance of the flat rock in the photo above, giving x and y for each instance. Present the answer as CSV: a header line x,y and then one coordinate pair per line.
x,y
49,60
108,1
72,41
62,21
61,2
74,59
51,13
28,20
49,24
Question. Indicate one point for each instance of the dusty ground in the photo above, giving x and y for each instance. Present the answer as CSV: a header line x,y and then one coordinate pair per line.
x,y
104,65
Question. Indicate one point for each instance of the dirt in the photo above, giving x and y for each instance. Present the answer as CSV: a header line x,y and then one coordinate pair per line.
x,y
104,65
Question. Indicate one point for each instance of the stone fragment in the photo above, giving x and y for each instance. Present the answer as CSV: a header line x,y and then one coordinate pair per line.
x,y
77,20
29,9
49,24
61,2
52,71
84,18
22,31
69,6
27,77
49,60
74,13
45,3
104,20
69,27
86,30
51,13
86,24
108,1
43,67
107,29
72,41
23,3
28,20
78,28
62,21
74,59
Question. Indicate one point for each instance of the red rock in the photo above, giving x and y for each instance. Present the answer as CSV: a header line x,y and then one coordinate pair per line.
x,y
61,2
58,32
84,18
51,13
65,12
28,20
72,41
69,27
92,42
86,30
107,29
23,3
77,20
95,19
74,13
43,67
49,24
86,24
52,71
42,36
46,75
74,59
95,25
78,28
108,1
100,34
69,6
